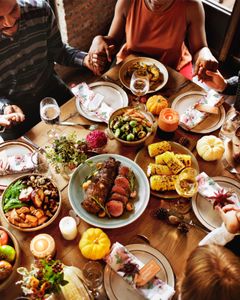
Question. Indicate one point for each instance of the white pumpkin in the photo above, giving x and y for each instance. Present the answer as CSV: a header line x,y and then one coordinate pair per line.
x,y
210,147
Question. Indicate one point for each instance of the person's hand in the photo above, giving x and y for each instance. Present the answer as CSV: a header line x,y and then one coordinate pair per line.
x,y
215,81
13,114
205,61
95,62
228,215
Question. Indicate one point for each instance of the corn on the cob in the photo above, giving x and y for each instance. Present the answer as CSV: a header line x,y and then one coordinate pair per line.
x,y
158,148
163,182
154,169
159,159
174,164
185,159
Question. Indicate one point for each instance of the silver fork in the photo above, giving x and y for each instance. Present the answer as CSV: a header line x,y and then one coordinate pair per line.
x,y
228,167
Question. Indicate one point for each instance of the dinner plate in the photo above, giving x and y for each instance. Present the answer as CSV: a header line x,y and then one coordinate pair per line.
x,y
76,193
13,148
118,289
148,61
114,96
211,123
143,159
203,209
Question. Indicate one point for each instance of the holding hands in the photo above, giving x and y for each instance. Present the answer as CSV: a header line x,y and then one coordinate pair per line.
x,y
12,114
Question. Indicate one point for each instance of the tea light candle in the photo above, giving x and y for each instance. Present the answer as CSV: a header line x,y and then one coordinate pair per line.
x,y
42,245
168,120
68,228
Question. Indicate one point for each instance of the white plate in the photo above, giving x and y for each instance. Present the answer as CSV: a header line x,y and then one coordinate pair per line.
x,y
118,289
203,209
114,96
13,148
147,61
76,193
211,123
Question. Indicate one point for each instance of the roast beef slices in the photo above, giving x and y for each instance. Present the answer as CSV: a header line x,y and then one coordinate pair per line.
x,y
115,208
101,185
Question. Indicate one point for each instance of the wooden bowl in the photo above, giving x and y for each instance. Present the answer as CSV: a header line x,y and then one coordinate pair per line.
x,y
141,142
43,225
14,243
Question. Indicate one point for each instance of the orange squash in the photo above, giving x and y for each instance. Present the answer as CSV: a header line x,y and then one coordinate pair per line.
x,y
156,103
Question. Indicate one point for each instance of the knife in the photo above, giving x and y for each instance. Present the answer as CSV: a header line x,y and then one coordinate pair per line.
x,y
29,141
87,126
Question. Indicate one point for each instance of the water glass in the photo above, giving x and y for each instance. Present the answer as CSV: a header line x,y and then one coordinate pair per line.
x,y
231,125
186,183
93,276
40,163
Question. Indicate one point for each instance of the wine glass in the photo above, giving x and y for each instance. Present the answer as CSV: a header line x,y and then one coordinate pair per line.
x,y
139,83
50,114
93,275
186,184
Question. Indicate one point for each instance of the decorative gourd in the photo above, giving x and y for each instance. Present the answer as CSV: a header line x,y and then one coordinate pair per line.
x,y
94,244
156,103
210,148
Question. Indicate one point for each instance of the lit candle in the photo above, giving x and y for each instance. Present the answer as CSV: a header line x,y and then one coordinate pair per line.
x,y
42,245
68,228
168,120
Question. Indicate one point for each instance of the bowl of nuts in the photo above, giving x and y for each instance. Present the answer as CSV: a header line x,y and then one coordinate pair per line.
x,y
30,202
132,126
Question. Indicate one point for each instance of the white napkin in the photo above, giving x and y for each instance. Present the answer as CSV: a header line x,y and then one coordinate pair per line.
x,y
156,289
92,103
19,163
219,236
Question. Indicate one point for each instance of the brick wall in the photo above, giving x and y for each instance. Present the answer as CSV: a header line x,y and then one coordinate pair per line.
x,y
81,20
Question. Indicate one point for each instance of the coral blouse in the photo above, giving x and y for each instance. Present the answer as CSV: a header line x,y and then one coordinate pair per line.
x,y
156,34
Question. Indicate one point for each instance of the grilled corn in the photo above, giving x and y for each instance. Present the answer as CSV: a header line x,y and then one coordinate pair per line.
x,y
174,164
156,169
158,148
159,159
163,182
185,159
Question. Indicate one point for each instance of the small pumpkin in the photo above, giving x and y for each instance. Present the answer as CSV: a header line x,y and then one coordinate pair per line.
x,y
94,244
210,147
156,103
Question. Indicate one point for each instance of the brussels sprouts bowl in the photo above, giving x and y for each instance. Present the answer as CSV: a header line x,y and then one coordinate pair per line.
x,y
132,126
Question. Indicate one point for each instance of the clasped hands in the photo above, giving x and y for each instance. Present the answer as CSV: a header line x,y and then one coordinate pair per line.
x,y
12,114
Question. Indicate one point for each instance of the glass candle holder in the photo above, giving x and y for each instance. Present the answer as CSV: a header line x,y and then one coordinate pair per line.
x,y
186,183
168,120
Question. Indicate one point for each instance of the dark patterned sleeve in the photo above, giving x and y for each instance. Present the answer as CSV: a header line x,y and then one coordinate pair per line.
x,y
231,88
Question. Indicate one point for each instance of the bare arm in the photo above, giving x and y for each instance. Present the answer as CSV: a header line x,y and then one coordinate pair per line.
x,y
103,47
197,37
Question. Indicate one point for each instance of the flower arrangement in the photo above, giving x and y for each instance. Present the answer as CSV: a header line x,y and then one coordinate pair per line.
x,y
44,278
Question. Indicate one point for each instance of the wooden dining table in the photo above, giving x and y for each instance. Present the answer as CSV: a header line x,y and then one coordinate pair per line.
x,y
166,238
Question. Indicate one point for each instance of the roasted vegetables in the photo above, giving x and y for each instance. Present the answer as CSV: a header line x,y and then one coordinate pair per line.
x,y
158,148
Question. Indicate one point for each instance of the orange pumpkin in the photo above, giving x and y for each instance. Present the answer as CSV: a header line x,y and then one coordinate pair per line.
x,y
156,103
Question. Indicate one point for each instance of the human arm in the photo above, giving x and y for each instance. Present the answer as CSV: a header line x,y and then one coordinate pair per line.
x,y
230,215
203,57
104,47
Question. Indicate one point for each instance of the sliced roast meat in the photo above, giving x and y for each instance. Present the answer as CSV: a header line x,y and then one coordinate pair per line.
x,y
120,190
124,171
115,208
123,182
116,196
100,186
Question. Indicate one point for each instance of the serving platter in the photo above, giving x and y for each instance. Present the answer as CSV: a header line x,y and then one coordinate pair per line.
x,y
118,289
204,210
210,124
76,193
10,148
148,61
114,96
143,159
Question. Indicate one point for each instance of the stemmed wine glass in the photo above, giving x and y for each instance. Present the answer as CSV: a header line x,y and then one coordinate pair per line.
x,y
139,83
50,114
93,276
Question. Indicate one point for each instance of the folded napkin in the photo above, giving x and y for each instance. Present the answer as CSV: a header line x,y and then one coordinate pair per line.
x,y
92,103
19,163
192,116
219,236
121,261
210,190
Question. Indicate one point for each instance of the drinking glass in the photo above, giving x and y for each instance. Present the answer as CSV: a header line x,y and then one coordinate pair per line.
x,y
93,275
186,183
139,83
40,163
50,114
231,125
